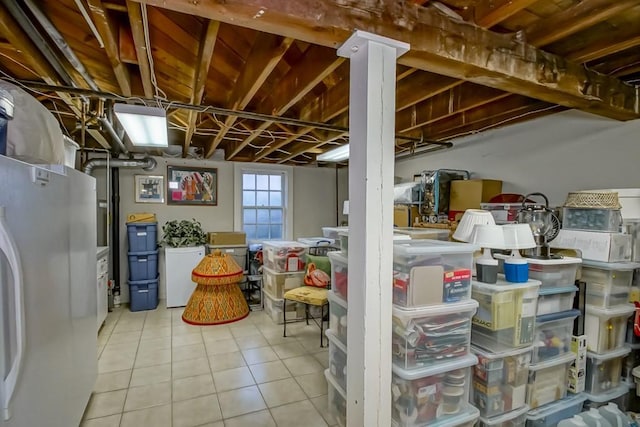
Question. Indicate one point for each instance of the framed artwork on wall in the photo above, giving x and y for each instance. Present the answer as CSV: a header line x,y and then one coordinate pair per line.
x,y
149,188
192,186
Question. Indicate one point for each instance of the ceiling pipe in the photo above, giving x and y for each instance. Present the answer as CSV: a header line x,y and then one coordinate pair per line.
x,y
61,43
147,163
112,132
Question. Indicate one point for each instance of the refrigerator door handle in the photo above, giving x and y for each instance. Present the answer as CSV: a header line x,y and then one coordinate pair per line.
x,y
8,246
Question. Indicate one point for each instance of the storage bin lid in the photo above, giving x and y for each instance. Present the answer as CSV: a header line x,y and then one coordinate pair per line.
x,y
333,339
463,418
564,359
502,285
436,368
607,313
504,418
431,247
603,357
143,282
146,253
555,407
552,317
335,298
559,261
334,384
404,315
611,265
282,273
338,256
491,355
316,241
217,268
612,394
632,346
556,291
284,244
328,231
418,231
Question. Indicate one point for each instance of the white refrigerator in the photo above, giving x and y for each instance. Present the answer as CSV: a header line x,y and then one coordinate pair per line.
x,y
48,294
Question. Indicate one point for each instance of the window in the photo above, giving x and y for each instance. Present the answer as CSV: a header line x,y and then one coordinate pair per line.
x,y
263,205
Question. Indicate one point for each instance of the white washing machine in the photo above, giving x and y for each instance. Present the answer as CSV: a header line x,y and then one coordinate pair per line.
x,y
178,265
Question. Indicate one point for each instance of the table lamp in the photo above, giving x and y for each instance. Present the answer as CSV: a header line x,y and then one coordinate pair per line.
x,y
488,237
517,236
470,218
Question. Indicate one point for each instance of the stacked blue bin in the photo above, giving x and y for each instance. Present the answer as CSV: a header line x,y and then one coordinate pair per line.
x,y
143,265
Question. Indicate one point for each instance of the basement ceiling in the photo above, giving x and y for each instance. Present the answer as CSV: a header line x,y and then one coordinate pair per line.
x,y
473,65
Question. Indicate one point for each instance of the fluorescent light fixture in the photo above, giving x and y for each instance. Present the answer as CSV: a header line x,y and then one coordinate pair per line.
x,y
146,126
335,155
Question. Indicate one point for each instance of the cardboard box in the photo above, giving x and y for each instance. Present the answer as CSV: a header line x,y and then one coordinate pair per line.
x,y
468,194
141,217
578,369
405,216
220,238
595,245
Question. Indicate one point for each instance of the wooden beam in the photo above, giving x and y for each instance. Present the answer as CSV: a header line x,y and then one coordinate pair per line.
x,y
499,10
205,53
108,33
265,54
422,86
137,31
604,48
439,44
114,6
578,17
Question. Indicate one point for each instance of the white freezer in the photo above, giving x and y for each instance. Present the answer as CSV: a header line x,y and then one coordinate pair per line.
x,y
178,265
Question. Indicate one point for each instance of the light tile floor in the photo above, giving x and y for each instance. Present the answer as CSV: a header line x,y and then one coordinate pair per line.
x,y
155,370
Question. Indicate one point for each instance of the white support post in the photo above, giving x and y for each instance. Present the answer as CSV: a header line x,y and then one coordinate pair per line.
x,y
371,166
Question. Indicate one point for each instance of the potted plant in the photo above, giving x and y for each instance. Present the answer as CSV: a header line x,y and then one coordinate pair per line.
x,y
180,234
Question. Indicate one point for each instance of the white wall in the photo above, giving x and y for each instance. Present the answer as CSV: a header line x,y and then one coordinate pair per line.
x,y
314,201
554,155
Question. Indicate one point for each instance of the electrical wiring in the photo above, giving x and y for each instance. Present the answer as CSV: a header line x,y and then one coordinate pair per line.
x,y
154,81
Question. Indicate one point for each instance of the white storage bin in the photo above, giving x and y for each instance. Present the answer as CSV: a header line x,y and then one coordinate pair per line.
x,y
344,242
500,381
417,233
606,327
336,400
515,418
604,370
283,256
608,284
551,414
466,418
506,314
424,336
548,380
276,284
553,335
440,391
616,395
338,317
554,272
429,272
334,232
555,300
273,309
339,274
608,220
337,359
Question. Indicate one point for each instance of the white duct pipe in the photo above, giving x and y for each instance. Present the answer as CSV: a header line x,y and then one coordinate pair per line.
x,y
147,163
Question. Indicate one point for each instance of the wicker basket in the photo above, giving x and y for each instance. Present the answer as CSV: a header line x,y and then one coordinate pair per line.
x,y
593,200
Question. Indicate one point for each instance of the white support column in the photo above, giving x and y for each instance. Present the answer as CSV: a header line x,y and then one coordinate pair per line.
x,y
371,165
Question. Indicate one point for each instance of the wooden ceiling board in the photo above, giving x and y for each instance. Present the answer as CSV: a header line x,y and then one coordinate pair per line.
x,y
161,20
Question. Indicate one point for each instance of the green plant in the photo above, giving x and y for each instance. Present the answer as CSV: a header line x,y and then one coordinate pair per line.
x,y
178,234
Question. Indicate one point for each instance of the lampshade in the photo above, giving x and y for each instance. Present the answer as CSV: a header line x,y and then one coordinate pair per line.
x,y
518,236
145,126
487,236
335,155
470,218
217,268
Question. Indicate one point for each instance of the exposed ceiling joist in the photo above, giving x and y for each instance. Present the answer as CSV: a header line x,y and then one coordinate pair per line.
x,y
438,44
108,34
604,48
499,10
310,147
140,42
205,53
266,53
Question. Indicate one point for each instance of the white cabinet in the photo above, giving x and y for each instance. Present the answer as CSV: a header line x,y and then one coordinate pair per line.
x,y
178,265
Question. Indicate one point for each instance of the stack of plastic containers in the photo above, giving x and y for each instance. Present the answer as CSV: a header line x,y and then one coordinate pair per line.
x,y
502,338
432,362
606,315
143,265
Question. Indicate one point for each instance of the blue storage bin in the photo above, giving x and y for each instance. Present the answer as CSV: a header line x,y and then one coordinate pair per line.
x,y
143,265
142,236
143,294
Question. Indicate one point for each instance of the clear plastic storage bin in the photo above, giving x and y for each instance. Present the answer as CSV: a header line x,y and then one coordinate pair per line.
x,y
273,309
339,273
616,395
466,418
604,370
440,391
337,359
338,317
606,327
344,242
548,380
276,284
587,219
317,241
554,272
551,414
553,335
500,381
424,336
555,300
506,314
515,418
429,272
334,232
283,256
608,284
336,400
418,233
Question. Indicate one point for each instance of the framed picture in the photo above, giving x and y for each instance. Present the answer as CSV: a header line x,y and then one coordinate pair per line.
x,y
149,189
192,186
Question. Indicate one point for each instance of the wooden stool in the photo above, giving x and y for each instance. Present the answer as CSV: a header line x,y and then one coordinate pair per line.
x,y
307,295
